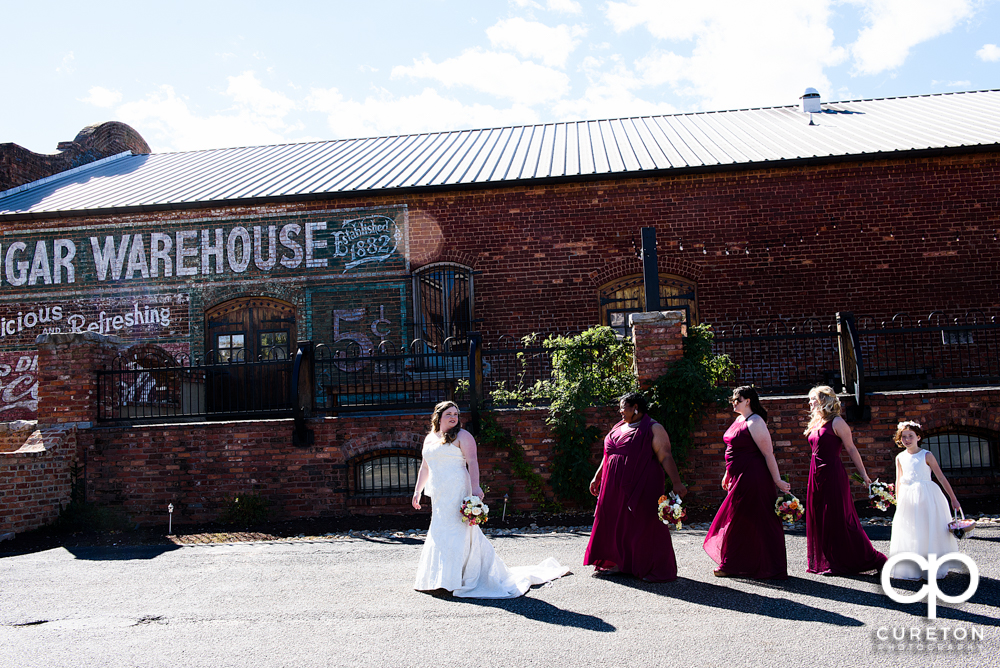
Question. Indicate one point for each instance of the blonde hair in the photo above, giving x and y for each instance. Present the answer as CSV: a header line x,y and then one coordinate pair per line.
x,y
829,407
451,434
903,426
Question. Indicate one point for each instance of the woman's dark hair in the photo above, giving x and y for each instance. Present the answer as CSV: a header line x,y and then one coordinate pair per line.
x,y
635,399
748,392
451,434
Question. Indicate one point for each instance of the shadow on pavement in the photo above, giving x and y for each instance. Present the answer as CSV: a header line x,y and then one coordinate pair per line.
x,y
533,608
988,593
121,553
717,596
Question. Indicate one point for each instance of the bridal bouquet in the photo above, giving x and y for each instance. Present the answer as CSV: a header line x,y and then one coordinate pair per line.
x,y
788,507
668,509
474,511
882,494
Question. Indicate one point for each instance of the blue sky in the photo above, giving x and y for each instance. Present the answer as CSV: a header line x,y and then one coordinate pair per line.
x,y
195,75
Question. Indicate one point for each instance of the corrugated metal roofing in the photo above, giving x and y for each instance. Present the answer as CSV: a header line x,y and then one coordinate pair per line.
x,y
583,149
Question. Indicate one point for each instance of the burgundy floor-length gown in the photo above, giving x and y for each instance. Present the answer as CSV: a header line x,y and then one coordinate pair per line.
x,y
835,542
746,537
627,532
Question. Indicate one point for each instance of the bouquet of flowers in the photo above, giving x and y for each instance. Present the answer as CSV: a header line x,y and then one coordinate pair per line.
x,y
669,510
882,494
788,507
474,511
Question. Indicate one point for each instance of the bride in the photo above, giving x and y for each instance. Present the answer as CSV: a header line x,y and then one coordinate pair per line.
x,y
456,556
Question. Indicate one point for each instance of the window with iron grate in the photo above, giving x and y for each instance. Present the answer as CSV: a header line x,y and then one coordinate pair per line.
x,y
963,452
442,300
626,295
386,475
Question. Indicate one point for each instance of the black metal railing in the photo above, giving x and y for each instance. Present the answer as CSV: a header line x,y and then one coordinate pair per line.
x,y
856,355
347,381
936,352
509,372
148,385
782,359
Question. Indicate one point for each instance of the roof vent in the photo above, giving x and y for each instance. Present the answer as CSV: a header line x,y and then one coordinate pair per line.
x,y
810,101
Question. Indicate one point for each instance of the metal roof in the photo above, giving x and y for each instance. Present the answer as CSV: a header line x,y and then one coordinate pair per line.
x,y
519,154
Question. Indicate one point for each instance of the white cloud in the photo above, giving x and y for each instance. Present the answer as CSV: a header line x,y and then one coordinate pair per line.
x,y
896,26
734,53
990,53
565,6
66,66
536,40
102,97
427,111
609,94
167,121
499,74
269,105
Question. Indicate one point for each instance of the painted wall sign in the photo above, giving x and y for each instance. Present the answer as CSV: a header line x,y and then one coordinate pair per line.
x,y
18,385
369,242
146,317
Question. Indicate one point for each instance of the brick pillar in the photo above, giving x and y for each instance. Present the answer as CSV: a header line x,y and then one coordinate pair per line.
x,y
67,376
658,337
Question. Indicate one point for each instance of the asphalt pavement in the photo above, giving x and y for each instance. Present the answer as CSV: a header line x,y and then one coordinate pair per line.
x,y
349,602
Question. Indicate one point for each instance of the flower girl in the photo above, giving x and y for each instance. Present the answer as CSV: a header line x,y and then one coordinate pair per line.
x,y
920,524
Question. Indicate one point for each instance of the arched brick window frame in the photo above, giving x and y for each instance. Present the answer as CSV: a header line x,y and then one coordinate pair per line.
x,y
964,450
443,304
387,472
625,295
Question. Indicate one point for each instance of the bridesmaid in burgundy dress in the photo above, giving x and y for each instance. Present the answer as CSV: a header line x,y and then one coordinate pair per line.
x,y
628,536
746,538
835,542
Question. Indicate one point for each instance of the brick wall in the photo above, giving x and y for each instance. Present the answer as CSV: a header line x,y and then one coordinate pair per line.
x,y
935,410
18,165
200,467
14,434
35,480
874,237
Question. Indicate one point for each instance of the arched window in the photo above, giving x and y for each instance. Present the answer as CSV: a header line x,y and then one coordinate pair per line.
x,y
442,304
965,452
626,295
392,474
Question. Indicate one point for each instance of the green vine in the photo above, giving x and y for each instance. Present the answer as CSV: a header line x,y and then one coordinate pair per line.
x,y
590,369
680,398
491,432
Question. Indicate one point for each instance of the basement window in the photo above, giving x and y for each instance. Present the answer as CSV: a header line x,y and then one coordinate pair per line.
x,y
962,453
389,475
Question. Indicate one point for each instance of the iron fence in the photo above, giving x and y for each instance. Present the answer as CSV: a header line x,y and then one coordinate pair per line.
x,y
781,359
509,372
147,385
348,381
937,352
856,355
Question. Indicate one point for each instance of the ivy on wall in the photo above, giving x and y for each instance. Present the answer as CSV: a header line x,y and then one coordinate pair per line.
x,y
680,398
595,369
491,432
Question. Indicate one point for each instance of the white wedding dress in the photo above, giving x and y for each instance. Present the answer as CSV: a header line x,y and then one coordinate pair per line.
x,y
456,556
920,524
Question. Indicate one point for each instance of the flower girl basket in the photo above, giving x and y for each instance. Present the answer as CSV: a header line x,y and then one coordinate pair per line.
x,y
961,527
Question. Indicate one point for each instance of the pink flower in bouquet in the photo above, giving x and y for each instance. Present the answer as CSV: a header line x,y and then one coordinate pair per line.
x,y
788,507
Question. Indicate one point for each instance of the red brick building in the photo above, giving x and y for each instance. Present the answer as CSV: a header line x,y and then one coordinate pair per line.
x,y
770,218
